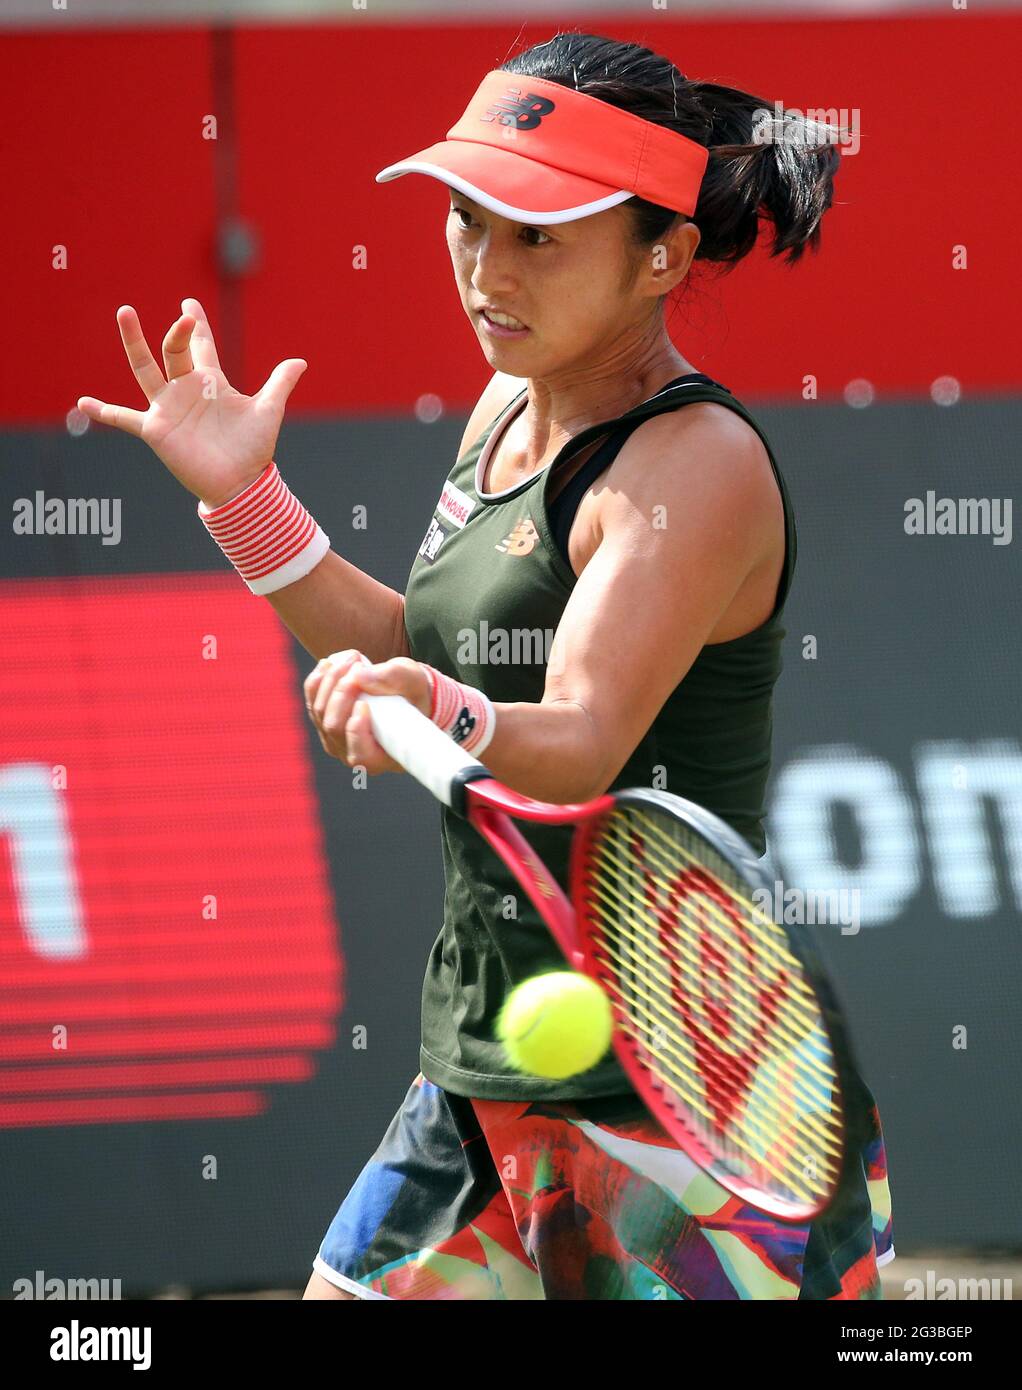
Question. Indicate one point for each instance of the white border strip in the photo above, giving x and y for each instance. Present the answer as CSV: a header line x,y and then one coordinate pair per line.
x,y
341,1281
487,200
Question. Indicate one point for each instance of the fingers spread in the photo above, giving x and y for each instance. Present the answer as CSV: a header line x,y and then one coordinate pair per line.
x,y
203,346
177,352
141,360
120,416
282,381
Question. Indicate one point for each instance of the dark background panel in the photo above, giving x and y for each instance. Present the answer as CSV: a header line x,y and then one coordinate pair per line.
x,y
916,643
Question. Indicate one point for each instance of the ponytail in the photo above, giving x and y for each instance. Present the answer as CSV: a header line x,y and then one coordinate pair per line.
x,y
760,168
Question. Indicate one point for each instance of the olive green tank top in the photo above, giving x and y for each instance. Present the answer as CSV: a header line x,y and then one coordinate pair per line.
x,y
484,597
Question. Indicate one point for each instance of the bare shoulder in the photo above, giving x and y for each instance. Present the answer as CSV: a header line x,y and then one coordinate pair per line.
x,y
703,449
499,392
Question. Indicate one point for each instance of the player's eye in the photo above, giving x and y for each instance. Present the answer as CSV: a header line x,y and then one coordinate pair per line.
x,y
537,231
526,231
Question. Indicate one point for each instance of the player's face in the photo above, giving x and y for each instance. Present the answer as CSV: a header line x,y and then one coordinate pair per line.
x,y
577,287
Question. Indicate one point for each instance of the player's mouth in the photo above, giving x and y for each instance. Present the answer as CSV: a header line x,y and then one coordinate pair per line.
x,y
500,325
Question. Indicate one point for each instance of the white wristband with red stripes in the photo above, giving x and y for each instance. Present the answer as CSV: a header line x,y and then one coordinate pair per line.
x,y
266,533
462,711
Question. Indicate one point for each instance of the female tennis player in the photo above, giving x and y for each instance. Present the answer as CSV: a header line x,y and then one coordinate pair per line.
x,y
596,603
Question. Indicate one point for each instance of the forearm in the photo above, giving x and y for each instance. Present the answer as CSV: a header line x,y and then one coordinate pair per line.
x,y
283,555
337,606
548,751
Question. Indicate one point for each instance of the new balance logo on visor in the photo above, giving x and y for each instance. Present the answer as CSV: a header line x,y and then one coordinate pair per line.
x,y
523,112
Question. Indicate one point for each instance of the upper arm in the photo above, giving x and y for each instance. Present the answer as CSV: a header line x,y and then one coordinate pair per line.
x,y
687,512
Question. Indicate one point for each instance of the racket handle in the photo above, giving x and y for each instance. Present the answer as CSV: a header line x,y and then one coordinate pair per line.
x,y
422,749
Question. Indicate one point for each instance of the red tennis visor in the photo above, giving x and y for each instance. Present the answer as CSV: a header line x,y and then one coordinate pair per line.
x,y
536,152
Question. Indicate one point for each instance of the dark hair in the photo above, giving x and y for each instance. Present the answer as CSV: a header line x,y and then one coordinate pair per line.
x,y
789,181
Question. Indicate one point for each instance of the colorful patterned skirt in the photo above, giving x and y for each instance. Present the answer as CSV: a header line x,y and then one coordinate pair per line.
x,y
478,1199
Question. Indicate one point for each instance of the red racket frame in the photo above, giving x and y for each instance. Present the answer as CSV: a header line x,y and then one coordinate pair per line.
x,y
489,807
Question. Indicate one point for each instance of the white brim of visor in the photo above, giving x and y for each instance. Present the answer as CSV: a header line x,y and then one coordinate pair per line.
x,y
487,200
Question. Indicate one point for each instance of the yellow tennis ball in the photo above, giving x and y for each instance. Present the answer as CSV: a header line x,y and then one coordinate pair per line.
x,y
555,1025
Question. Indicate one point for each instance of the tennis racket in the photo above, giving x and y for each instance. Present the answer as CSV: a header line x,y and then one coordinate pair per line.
x,y
723,1019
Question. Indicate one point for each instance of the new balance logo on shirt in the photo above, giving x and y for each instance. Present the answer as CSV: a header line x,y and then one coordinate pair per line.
x,y
522,539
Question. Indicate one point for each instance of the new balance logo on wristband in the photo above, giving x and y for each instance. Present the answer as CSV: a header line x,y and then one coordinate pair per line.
x,y
464,725
464,713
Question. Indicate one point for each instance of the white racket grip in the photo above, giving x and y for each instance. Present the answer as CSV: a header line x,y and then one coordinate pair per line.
x,y
417,744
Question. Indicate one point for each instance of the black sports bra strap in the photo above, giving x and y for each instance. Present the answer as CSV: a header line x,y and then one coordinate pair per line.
x,y
562,510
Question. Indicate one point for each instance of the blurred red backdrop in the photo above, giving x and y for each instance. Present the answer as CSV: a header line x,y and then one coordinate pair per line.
x,y
164,889
106,157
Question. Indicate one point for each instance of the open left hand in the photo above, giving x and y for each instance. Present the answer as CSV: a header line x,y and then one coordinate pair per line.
x,y
342,719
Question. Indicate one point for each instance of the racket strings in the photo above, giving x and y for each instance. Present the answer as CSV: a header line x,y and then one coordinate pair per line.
x,y
789,1178
805,1015
766,939
762,1128
728,1072
814,1085
740,972
659,1019
740,1063
744,1007
746,1004
758,931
